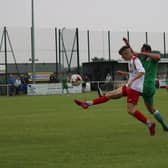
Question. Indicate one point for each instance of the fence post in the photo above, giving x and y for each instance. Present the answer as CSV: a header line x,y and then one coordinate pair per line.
x,y
146,36
109,44
88,42
56,52
164,43
77,46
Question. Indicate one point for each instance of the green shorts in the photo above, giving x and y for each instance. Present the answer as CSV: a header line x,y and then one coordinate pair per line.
x,y
148,95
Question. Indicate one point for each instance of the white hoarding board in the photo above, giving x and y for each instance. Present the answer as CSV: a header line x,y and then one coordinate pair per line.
x,y
49,89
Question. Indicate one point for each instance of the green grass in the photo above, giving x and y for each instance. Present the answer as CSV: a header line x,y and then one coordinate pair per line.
x,y
52,132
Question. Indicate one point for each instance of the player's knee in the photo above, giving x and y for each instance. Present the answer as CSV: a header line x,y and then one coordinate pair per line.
x,y
130,112
114,94
107,95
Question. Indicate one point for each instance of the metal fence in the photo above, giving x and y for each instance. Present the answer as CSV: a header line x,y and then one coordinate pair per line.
x,y
66,46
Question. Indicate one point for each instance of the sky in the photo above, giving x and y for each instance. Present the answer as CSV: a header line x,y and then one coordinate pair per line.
x,y
114,15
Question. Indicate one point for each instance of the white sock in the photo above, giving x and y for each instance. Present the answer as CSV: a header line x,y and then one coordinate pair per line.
x,y
89,103
148,123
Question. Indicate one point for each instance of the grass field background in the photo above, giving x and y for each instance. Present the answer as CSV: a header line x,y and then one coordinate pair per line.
x,y
52,132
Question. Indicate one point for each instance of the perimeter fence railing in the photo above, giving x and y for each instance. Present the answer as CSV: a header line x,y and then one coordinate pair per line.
x,y
59,50
70,47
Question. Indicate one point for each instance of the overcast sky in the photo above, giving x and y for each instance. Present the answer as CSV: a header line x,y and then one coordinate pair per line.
x,y
115,15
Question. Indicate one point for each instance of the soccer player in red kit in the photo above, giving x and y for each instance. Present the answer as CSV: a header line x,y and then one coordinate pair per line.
x,y
132,90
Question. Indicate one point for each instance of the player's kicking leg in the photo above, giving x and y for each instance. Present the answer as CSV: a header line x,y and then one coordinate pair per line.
x,y
114,94
83,104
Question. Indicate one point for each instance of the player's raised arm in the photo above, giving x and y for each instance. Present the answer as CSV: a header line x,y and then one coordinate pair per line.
x,y
128,44
155,56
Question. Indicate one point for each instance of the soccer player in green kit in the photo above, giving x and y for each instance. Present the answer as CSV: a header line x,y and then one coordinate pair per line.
x,y
150,61
64,82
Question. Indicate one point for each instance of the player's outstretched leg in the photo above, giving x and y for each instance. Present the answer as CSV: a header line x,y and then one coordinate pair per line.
x,y
83,104
86,104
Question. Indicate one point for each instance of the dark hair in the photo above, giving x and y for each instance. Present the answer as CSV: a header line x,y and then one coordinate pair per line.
x,y
123,48
146,47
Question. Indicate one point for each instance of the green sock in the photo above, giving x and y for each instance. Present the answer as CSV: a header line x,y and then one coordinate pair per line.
x,y
159,118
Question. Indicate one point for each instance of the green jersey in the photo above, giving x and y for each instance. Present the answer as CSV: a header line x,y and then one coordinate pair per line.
x,y
64,82
151,67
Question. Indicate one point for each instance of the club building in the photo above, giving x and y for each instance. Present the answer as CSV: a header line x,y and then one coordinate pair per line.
x,y
96,71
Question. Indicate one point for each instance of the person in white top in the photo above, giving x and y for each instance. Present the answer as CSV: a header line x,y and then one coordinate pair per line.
x,y
136,67
132,90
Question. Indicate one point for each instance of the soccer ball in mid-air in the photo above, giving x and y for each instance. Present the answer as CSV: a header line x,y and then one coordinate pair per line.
x,y
76,80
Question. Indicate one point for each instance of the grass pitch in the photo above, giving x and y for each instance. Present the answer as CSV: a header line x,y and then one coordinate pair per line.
x,y
52,132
